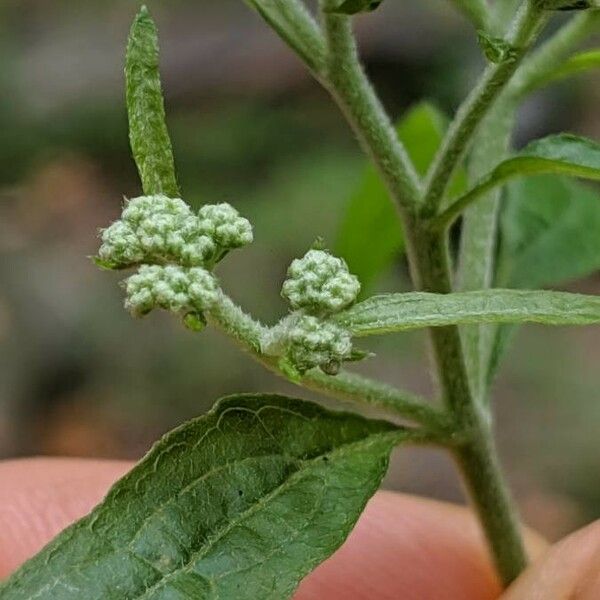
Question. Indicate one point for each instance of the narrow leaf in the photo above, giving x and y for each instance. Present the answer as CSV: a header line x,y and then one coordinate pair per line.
x,y
401,312
576,64
296,27
370,235
240,503
562,154
148,133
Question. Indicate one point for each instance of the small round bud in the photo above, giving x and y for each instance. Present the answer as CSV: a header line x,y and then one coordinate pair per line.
x,y
224,225
120,245
305,342
320,283
161,230
316,343
143,207
168,231
171,288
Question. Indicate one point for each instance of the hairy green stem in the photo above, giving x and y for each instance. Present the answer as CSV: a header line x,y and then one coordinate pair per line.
x,y
525,29
231,319
448,216
477,456
479,225
548,57
478,241
296,26
430,267
348,84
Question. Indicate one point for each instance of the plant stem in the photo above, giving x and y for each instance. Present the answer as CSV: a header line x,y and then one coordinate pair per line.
x,y
493,504
477,456
231,319
525,29
551,53
479,223
479,236
348,84
430,267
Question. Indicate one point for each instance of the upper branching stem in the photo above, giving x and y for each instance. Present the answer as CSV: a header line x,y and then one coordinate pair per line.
x,y
524,31
551,53
346,80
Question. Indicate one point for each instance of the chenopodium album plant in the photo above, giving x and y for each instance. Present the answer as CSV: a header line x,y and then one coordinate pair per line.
x,y
246,500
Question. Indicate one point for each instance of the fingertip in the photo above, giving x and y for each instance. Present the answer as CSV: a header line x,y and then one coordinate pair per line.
x,y
409,548
569,570
40,497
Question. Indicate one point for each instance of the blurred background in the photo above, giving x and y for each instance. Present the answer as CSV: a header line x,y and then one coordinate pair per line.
x,y
79,377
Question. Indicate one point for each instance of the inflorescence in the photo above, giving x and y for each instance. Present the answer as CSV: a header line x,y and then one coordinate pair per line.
x,y
162,230
175,251
318,285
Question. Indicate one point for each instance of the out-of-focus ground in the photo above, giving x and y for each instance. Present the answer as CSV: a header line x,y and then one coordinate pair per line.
x,y
79,377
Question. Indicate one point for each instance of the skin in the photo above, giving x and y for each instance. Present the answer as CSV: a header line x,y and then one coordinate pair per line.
x,y
403,547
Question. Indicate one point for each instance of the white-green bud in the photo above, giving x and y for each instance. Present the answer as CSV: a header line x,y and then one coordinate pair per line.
x,y
173,288
306,342
161,230
320,283
120,245
223,224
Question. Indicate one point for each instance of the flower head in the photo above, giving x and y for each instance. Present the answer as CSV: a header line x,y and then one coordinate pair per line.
x,y
223,224
172,288
320,283
306,342
161,230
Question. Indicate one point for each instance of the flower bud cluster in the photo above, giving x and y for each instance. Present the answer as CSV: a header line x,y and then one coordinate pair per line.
x,y
159,230
318,285
173,288
308,342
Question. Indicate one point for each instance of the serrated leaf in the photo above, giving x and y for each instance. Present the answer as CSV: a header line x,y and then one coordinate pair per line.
x,y
562,154
295,25
240,503
401,312
353,7
370,235
148,134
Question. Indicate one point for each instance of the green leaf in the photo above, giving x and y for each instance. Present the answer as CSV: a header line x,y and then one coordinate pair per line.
x,y
576,64
401,312
238,504
352,7
549,231
295,25
370,235
550,235
148,132
562,154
